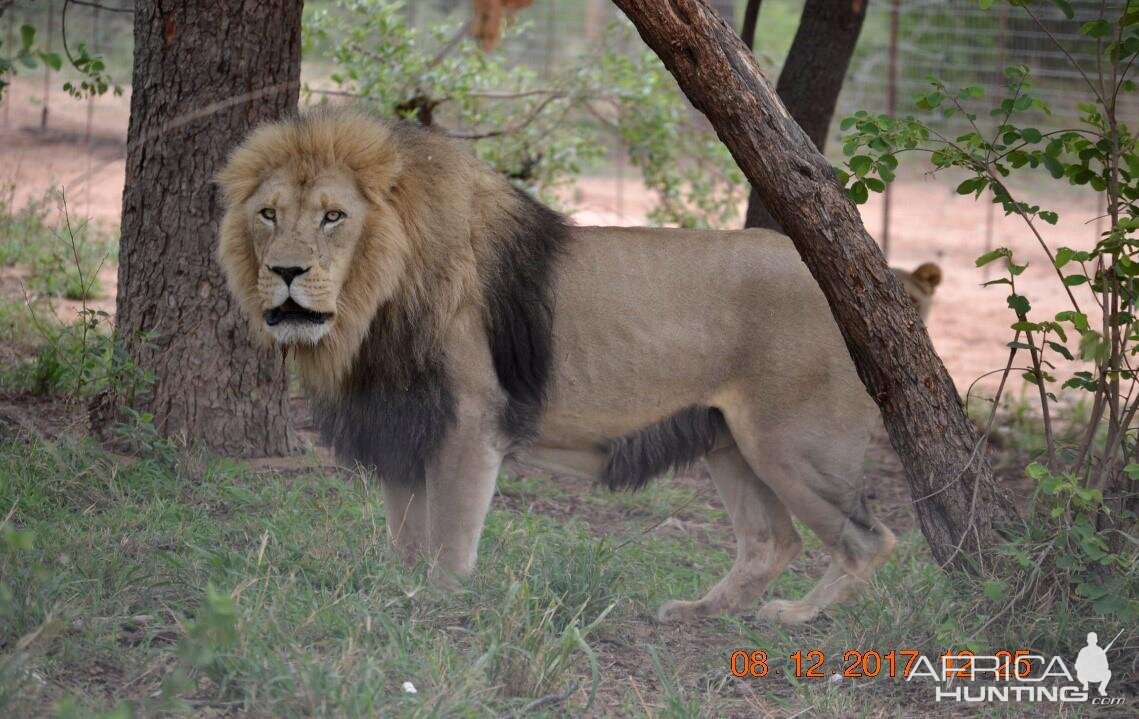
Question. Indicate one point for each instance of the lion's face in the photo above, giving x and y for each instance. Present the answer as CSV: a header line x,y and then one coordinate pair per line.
x,y
303,236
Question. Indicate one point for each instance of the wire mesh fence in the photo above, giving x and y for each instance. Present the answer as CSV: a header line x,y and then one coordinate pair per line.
x,y
963,44
957,41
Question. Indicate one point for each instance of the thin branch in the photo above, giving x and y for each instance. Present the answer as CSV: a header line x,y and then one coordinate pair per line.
x,y
99,6
508,130
492,95
1064,50
451,44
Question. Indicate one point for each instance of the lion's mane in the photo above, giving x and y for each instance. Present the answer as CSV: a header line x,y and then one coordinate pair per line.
x,y
444,232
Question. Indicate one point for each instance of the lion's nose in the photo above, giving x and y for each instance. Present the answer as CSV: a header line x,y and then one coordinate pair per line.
x,y
288,274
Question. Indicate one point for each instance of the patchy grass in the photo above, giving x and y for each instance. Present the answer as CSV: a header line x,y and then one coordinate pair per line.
x,y
60,259
176,583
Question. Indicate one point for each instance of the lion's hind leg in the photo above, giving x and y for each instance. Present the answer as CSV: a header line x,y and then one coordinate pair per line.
x,y
843,579
766,541
819,479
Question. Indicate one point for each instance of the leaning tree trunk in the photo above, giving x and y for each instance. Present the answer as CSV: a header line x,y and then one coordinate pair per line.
x,y
812,76
957,502
205,73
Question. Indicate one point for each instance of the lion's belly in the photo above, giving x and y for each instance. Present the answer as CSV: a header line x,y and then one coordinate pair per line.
x,y
647,323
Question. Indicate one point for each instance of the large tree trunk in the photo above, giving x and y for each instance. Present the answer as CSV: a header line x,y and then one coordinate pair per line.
x,y
205,73
958,504
812,76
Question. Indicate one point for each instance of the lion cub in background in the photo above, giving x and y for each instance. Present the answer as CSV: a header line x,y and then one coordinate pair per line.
x,y
920,285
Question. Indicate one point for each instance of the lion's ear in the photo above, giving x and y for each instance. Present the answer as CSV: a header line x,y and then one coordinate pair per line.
x,y
929,273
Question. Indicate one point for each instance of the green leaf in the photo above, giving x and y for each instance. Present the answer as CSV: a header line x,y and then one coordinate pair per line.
x,y
1063,256
1019,304
1061,350
52,60
861,164
27,37
995,254
1050,217
1078,319
1031,134
1055,167
874,184
1065,7
1096,28
971,185
1074,280
858,193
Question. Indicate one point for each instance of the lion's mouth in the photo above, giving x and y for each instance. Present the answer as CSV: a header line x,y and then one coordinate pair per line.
x,y
290,311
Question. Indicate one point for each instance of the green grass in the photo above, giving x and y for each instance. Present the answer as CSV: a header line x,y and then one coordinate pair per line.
x,y
62,259
176,583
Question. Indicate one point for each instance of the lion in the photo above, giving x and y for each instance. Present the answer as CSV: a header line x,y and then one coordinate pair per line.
x,y
920,285
442,320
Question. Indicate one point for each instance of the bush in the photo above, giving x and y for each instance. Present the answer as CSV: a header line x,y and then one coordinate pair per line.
x,y
63,262
1081,534
541,132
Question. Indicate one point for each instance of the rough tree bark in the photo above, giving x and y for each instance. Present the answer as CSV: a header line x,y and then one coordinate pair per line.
x,y
957,502
205,73
812,76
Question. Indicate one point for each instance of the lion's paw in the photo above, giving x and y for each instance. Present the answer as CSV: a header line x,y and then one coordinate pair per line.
x,y
444,580
788,612
677,611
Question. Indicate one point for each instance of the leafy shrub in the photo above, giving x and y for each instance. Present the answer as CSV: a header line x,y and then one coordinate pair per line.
x,y
1081,535
542,132
63,262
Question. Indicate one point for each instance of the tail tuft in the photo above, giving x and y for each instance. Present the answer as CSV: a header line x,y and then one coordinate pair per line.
x,y
674,442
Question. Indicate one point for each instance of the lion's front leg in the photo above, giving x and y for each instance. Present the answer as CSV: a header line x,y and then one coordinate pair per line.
x,y
460,485
405,507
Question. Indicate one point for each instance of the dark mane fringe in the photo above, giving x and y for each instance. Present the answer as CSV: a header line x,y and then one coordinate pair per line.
x,y
520,311
674,442
393,410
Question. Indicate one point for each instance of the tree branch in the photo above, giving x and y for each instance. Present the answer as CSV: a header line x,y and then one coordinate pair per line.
x,y
889,347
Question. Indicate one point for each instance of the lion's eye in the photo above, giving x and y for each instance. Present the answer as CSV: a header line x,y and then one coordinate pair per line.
x,y
332,217
268,214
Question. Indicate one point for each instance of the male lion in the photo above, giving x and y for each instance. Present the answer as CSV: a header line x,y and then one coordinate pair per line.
x,y
442,320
